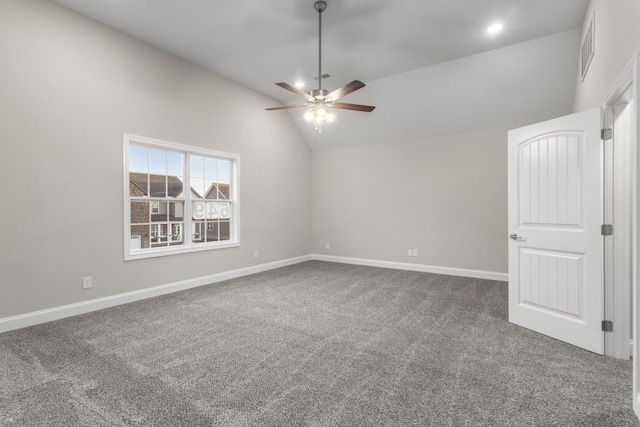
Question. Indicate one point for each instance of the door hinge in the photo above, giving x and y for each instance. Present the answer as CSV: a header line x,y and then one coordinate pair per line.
x,y
606,134
606,229
607,326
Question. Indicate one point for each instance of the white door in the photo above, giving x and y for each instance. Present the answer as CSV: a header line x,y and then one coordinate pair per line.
x,y
555,214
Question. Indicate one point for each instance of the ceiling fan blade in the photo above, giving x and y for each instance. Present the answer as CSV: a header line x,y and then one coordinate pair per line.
x,y
295,90
286,107
345,90
356,107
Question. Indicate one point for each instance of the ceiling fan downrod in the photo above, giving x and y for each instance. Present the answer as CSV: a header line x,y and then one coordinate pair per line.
x,y
320,6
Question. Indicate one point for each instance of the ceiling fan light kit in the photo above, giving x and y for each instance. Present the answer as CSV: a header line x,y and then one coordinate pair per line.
x,y
321,99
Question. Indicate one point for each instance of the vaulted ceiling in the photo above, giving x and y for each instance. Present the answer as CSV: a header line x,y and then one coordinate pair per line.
x,y
430,67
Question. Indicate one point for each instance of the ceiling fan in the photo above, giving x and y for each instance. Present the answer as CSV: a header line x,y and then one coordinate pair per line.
x,y
320,99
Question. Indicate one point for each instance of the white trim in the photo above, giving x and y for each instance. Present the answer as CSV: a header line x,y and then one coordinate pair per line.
x,y
477,274
634,66
623,82
619,212
61,312
56,313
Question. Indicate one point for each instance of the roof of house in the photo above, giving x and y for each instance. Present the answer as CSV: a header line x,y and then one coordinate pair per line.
x,y
171,186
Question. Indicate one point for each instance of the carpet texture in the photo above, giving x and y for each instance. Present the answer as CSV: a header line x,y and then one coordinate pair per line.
x,y
314,344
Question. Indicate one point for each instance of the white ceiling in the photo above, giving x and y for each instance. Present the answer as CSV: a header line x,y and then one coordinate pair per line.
x,y
382,43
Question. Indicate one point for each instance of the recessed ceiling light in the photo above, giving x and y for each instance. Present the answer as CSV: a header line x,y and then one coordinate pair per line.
x,y
494,28
299,83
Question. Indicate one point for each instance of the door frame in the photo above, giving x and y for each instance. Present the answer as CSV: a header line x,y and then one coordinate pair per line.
x,y
618,210
629,79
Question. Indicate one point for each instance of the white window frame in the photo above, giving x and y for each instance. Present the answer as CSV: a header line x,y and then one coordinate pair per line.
x,y
155,230
187,230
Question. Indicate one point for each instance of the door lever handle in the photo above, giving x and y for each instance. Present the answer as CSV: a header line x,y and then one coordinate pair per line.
x,y
514,236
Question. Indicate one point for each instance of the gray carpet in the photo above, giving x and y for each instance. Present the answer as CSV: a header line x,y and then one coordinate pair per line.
x,y
315,344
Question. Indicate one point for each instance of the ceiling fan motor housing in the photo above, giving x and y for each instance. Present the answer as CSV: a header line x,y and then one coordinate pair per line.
x,y
319,93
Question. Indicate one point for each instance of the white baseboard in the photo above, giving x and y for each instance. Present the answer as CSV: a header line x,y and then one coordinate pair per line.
x,y
477,274
56,313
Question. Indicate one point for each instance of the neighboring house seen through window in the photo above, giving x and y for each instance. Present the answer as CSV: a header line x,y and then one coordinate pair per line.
x,y
178,198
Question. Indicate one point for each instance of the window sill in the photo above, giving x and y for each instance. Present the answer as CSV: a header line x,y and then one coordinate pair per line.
x,y
161,252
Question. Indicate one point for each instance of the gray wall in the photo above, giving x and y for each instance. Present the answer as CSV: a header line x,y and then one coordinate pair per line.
x,y
617,38
69,89
447,194
444,196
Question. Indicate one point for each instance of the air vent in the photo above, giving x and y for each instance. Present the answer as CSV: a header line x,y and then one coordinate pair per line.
x,y
588,46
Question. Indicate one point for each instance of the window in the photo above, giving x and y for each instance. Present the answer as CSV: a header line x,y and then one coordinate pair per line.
x,y
178,198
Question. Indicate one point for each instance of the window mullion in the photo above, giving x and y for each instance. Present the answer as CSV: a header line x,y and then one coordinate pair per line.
x,y
188,224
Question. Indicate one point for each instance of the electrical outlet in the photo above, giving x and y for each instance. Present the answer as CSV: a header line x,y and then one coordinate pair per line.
x,y
415,252
256,254
86,282
327,246
410,252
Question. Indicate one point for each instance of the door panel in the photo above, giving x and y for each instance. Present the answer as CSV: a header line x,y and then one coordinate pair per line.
x,y
555,213
552,282
550,180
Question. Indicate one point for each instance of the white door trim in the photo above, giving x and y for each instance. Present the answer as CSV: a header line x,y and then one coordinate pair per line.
x,y
618,207
629,78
